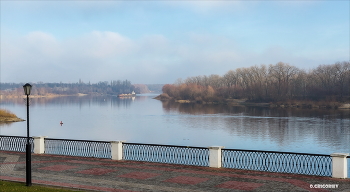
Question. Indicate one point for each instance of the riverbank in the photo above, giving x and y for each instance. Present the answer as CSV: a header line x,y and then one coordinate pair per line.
x,y
245,102
7,117
49,95
311,105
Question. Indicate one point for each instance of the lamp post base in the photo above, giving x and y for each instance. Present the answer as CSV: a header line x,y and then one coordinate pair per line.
x,y
28,165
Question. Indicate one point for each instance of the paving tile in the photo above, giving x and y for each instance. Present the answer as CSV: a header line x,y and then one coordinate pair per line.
x,y
186,180
239,185
140,167
96,171
85,162
102,175
139,175
58,167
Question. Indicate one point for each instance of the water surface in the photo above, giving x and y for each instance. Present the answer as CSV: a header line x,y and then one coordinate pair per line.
x,y
146,120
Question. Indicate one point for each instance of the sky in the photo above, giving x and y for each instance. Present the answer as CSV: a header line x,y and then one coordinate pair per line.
x,y
159,42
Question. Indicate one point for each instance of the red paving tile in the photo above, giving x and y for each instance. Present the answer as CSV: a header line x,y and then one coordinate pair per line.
x,y
96,171
301,184
58,167
239,185
23,162
186,180
140,167
85,162
139,175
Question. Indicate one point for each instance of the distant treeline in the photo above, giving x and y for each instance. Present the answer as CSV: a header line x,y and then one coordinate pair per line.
x,y
279,82
40,88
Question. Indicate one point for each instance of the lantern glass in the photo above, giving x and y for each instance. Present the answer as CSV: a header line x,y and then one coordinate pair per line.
x,y
27,88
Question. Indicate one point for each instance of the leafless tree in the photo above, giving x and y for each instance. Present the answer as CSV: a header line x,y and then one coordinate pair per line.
x,y
269,83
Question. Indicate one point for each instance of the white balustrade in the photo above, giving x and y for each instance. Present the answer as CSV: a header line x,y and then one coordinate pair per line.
x,y
39,144
339,165
117,150
215,156
339,160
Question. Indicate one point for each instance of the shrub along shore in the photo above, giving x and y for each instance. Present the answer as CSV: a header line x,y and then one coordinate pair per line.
x,y
7,116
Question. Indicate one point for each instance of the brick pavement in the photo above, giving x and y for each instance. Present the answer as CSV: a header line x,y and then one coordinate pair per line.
x,y
96,174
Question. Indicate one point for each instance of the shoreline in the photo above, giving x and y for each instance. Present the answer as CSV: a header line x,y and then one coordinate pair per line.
x,y
38,96
232,102
294,104
10,119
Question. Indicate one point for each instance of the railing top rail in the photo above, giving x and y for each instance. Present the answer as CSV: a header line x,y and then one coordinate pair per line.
x,y
13,136
78,140
180,146
277,152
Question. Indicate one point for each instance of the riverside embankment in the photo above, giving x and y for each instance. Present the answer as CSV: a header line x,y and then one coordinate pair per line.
x,y
245,102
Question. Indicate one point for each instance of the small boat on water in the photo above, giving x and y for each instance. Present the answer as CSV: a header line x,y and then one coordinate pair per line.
x,y
132,94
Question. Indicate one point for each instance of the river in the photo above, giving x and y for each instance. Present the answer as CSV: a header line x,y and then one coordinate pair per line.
x,y
146,120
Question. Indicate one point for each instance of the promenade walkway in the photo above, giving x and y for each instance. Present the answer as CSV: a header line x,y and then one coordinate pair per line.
x,y
94,174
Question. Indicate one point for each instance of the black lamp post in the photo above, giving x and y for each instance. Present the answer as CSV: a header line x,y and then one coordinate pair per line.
x,y
27,88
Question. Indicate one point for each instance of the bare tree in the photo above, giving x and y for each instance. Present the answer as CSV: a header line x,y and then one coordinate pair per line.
x,y
277,82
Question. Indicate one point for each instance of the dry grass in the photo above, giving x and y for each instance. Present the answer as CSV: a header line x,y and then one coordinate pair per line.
x,y
17,186
6,113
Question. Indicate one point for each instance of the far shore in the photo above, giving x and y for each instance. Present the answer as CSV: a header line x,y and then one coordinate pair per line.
x,y
39,96
244,102
241,102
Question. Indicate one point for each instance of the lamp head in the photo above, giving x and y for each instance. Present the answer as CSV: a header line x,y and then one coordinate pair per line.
x,y
27,88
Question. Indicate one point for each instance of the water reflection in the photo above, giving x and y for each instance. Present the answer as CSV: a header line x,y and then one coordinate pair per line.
x,y
74,100
5,124
197,109
284,127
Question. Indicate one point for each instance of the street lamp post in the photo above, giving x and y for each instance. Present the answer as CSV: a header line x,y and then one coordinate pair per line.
x,y
27,88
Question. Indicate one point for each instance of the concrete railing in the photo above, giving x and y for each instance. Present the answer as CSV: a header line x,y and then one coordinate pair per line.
x,y
339,161
339,165
334,165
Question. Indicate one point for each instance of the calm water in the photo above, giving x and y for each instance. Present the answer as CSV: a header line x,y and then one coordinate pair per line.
x,y
146,120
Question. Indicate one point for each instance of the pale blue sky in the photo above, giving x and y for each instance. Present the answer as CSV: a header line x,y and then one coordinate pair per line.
x,y
161,41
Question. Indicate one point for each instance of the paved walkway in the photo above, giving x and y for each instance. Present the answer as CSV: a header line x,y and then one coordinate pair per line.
x,y
108,175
